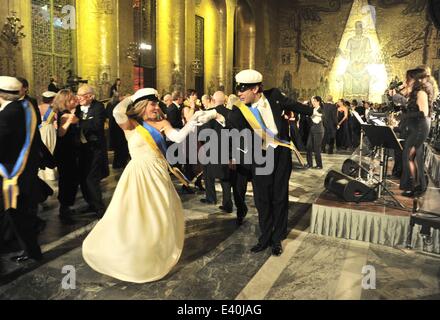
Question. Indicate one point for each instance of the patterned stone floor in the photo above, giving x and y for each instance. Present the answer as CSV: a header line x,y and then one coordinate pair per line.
x,y
217,264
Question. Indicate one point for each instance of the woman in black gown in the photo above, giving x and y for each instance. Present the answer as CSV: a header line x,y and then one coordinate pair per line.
x,y
66,152
343,134
415,125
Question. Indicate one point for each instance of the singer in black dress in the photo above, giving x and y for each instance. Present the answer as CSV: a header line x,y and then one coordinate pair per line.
x,y
415,124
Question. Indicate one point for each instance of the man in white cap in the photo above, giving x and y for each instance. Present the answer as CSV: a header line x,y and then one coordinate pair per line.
x,y
270,190
13,135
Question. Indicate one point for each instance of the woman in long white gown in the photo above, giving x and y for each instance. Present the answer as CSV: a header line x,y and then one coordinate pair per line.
x,y
48,132
141,236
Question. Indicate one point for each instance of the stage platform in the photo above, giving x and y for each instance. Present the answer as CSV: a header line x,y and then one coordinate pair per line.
x,y
375,222
432,164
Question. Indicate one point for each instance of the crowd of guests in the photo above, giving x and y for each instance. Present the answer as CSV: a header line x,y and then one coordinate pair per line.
x,y
69,145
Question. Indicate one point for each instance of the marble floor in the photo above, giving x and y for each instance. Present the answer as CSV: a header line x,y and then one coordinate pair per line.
x,y
217,265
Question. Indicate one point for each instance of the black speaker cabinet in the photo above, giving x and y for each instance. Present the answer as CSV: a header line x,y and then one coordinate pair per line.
x,y
351,168
348,189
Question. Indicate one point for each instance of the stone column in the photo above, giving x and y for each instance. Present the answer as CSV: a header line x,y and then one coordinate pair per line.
x,y
97,43
170,45
125,36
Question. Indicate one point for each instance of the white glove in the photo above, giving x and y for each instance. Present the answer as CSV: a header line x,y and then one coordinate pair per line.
x,y
120,112
179,136
207,116
197,115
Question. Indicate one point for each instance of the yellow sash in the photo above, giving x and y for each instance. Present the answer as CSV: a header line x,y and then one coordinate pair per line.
x,y
10,187
255,125
50,118
175,171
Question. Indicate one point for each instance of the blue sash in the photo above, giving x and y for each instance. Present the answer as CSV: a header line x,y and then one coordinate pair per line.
x,y
46,116
10,180
257,116
157,136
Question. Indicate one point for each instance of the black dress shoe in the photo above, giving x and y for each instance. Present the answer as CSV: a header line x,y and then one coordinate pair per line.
x,y
307,166
317,168
226,209
187,190
66,220
21,258
277,249
408,193
206,201
88,209
258,248
24,257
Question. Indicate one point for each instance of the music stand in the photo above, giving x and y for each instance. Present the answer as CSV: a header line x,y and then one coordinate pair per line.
x,y
361,146
384,138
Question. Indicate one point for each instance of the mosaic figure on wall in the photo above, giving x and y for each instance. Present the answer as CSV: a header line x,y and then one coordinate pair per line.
x,y
356,77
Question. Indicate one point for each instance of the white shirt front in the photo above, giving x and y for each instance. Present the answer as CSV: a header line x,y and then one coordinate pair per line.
x,y
85,109
265,110
316,117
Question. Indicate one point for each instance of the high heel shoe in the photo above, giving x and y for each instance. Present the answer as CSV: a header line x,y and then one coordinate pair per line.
x,y
416,205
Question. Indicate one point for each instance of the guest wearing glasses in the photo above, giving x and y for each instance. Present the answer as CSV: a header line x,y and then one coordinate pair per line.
x,y
93,161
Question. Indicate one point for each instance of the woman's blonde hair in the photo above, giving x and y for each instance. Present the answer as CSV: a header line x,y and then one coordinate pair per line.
x,y
62,99
137,111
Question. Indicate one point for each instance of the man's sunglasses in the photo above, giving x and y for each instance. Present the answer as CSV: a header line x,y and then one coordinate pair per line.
x,y
243,88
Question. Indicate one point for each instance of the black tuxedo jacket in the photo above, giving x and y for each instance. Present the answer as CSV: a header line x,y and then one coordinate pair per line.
x,y
12,138
92,123
280,104
174,116
219,170
330,117
92,126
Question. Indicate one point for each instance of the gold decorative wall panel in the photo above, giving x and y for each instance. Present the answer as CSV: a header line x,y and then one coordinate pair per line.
x,y
52,44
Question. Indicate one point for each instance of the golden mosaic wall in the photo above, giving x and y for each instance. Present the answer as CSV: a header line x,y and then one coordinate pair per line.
x,y
311,32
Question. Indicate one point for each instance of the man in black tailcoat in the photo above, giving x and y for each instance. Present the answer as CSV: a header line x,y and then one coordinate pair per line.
x,y
93,160
13,131
271,179
216,169
330,122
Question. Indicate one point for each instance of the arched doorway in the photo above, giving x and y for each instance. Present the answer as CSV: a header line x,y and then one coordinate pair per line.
x,y
244,37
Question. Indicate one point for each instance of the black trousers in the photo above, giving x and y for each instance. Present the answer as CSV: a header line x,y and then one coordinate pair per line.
x,y
239,180
68,180
271,195
90,174
329,139
314,145
22,223
211,194
121,155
